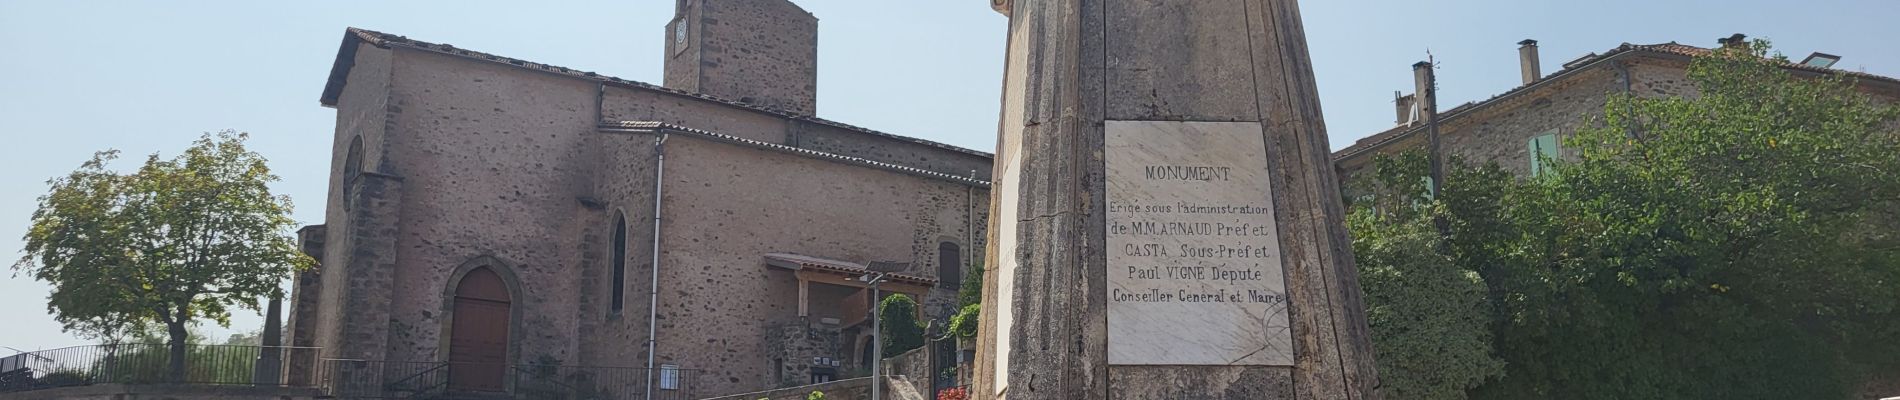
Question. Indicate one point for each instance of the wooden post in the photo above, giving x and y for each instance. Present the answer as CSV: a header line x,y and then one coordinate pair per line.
x,y
804,297
1178,72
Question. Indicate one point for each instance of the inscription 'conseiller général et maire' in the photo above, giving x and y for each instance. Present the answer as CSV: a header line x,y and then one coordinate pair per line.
x,y
1193,246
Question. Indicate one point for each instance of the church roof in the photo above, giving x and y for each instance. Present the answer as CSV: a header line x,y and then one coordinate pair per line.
x,y
657,127
352,37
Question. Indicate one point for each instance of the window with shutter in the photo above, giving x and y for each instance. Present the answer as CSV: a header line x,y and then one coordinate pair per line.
x,y
1543,150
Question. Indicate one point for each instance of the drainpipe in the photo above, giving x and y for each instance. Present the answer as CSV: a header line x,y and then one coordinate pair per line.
x,y
1623,72
877,343
653,288
969,231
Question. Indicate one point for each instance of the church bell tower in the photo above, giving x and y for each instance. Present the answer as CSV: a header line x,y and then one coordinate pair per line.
x,y
758,52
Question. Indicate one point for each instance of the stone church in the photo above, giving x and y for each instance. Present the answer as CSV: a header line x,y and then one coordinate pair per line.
x,y
490,217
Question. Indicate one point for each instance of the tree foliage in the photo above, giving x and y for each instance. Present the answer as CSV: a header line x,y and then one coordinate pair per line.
x,y
1740,244
1429,316
969,304
173,242
898,325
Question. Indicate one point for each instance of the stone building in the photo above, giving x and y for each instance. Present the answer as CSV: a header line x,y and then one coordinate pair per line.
x,y
1509,127
502,216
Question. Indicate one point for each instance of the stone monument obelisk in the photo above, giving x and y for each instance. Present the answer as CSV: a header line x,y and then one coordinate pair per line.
x,y
1166,222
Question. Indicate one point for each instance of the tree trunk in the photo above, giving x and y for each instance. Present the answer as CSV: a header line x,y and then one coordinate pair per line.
x,y
175,370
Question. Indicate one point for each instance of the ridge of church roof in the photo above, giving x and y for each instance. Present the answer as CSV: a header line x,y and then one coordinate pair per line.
x,y
346,56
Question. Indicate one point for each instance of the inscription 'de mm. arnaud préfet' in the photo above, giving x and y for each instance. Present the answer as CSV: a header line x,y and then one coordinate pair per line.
x,y
1194,274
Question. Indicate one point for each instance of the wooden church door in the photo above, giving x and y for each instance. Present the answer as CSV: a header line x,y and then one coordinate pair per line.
x,y
478,340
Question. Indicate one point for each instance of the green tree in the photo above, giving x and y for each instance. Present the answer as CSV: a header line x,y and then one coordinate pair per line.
x,y
1726,245
253,337
174,242
1740,244
898,324
1430,318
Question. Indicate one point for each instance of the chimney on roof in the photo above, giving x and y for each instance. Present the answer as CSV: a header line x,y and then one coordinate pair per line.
x,y
1405,106
1527,61
1736,40
759,52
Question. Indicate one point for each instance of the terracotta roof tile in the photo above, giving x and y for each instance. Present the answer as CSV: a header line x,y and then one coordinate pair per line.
x,y
795,261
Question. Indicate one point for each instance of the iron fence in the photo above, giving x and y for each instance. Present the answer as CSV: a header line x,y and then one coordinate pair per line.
x,y
147,363
383,379
409,379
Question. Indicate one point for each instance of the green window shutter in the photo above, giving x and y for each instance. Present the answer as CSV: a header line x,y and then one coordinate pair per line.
x,y
1543,149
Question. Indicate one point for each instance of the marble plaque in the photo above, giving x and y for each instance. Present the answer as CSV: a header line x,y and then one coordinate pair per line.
x,y
1194,274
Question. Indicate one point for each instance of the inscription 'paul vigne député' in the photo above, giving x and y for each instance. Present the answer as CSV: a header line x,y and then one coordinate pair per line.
x,y
1192,246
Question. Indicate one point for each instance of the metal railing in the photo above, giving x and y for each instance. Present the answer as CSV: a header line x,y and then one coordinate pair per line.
x,y
428,379
147,363
383,379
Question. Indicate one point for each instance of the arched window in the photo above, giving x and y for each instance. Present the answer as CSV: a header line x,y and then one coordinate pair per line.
x,y
950,265
620,264
352,166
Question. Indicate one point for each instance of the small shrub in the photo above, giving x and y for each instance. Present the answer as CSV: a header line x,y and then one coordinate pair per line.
x,y
65,378
964,323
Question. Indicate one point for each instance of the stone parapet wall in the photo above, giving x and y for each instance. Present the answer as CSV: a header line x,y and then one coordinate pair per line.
x,y
911,368
795,344
847,389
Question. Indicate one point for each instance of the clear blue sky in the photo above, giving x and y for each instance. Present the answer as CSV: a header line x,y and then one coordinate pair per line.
x,y
82,76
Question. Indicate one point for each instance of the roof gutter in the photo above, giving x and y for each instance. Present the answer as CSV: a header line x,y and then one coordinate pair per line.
x,y
664,128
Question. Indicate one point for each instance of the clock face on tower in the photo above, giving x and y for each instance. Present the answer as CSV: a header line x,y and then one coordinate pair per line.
x,y
679,32
679,36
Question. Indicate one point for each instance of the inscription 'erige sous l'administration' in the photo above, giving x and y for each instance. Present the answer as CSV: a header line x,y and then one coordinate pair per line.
x,y
1194,259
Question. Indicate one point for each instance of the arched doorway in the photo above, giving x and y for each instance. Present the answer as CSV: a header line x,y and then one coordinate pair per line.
x,y
478,336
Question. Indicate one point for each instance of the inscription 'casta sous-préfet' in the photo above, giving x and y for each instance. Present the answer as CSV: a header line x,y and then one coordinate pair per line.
x,y
1194,272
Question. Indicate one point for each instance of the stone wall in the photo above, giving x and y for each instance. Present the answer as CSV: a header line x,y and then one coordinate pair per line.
x,y
351,320
495,159
300,327
1500,133
717,293
793,346
912,368
846,389
473,160
624,185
